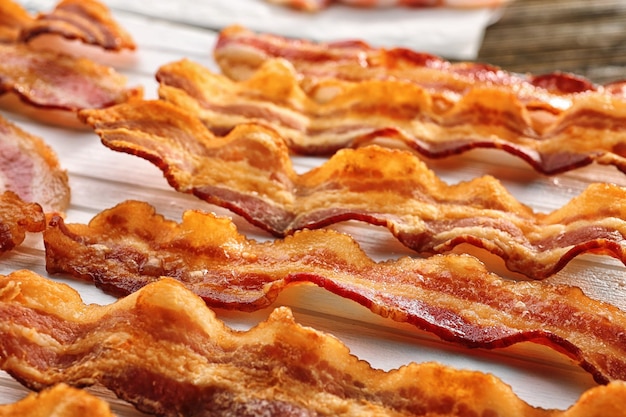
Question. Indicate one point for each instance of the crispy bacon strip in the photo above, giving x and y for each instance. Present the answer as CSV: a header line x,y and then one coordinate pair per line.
x,y
31,169
16,218
51,80
404,112
240,52
164,351
453,296
58,401
88,21
250,172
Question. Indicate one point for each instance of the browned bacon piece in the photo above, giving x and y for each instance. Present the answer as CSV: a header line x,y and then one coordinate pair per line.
x,y
88,21
16,218
51,80
358,113
250,172
129,246
59,401
164,351
31,169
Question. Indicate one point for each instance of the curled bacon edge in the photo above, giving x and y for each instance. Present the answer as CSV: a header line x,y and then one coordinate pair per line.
x,y
250,173
453,296
17,218
164,351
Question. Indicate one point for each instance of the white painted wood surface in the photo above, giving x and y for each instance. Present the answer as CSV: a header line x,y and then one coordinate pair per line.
x,y
101,178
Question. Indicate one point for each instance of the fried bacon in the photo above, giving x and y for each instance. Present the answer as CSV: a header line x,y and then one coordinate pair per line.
x,y
250,173
317,5
360,113
51,80
453,296
535,108
16,218
88,21
31,169
58,401
164,351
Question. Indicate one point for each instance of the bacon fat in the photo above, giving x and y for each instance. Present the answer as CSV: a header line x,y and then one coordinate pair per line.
x,y
250,173
359,113
31,169
16,218
164,351
59,401
129,246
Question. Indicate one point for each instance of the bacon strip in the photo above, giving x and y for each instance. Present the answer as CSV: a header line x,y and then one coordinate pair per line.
x,y
58,401
16,218
88,21
404,112
453,296
31,169
318,5
250,172
51,80
164,351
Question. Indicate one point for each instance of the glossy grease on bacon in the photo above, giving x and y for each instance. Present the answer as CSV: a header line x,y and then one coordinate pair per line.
x,y
250,173
590,130
164,351
129,246
318,5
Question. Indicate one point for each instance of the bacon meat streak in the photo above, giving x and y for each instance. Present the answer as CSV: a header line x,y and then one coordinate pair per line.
x,y
453,296
249,172
359,113
31,169
164,351
18,217
58,401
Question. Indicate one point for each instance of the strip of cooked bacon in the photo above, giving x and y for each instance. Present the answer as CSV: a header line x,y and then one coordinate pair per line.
x,y
52,80
88,21
59,401
31,169
404,112
129,246
16,218
317,5
164,351
239,52
250,172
